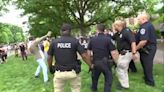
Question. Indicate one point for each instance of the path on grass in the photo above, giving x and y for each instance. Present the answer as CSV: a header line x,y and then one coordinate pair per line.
x,y
159,57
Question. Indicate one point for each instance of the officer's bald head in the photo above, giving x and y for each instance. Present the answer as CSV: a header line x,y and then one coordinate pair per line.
x,y
142,18
66,29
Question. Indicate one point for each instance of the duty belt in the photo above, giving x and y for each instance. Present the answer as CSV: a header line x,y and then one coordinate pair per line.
x,y
123,52
64,68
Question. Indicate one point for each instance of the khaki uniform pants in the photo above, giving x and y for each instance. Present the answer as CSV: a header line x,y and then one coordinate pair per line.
x,y
61,77
122,69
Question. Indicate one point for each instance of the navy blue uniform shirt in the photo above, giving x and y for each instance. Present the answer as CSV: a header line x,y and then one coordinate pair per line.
x,y
147,32
101,46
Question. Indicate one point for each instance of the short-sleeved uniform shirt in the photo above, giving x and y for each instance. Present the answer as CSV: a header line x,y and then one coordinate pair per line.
x,y
124,40
147,32
101,46
116,36
65,50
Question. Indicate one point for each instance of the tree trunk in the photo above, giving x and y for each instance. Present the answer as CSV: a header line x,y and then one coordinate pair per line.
x,y
82,30
82,27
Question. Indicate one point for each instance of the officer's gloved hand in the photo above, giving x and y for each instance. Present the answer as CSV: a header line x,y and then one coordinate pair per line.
x,y
52,69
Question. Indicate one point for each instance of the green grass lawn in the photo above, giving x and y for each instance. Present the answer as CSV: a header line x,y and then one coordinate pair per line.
x,y
18,76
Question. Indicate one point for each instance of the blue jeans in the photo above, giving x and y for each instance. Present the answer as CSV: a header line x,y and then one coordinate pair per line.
x,y
42,65
107,75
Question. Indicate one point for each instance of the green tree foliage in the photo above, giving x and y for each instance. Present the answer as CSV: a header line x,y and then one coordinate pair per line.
x,y
10,33
150,6
48,15
3,4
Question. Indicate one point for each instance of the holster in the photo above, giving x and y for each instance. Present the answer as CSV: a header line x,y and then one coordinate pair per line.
x,y
145,50
78,67
108,62
103,64
52,69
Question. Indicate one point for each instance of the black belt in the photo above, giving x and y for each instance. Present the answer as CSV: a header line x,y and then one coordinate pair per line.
x,y
123,52
62,70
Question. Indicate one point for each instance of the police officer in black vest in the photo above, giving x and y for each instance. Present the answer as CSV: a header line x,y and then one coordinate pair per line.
x,y
67,67
146,39
101,47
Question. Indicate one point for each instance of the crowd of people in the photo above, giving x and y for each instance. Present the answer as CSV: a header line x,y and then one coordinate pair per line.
x,y
16,49
20,50
3,54
118,46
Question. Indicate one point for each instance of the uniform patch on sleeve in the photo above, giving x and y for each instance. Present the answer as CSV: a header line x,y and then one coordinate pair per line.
x,y
120,35
142,31
127,29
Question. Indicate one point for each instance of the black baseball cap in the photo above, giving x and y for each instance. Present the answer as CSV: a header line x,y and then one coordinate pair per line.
x,y
66,27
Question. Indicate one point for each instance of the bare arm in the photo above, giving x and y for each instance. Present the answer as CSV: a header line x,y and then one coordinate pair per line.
x,y
141,44
115,55
86,58
90,55
36,42
133,47
50,58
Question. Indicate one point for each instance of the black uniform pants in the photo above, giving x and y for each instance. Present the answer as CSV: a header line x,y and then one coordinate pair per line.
x,y
132,66
147,64
102,68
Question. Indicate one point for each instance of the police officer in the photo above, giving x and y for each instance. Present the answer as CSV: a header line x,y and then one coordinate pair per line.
x,y
101,46
127,51
146,39
132,66
67,67
115,37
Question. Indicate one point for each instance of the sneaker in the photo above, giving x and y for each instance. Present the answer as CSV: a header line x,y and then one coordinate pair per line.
x,y
36,76
119,87
46,81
